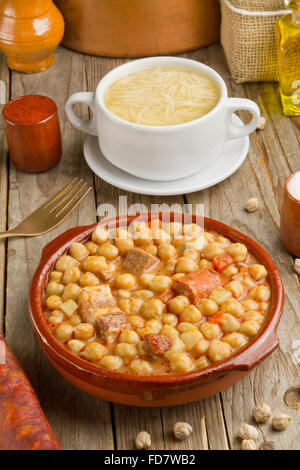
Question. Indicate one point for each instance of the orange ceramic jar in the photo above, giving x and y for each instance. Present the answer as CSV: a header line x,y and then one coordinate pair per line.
x,y
30,30
290,220
33,134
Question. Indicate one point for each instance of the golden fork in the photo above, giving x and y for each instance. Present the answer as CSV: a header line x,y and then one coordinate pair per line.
x,y
53,212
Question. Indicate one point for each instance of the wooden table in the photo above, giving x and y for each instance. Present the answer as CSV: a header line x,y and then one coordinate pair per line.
x,y
84,422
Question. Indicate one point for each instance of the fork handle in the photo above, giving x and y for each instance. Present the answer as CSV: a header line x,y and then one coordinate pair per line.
x,y
10,234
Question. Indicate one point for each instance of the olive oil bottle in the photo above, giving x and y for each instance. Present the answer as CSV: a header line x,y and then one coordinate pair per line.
x,y
288,42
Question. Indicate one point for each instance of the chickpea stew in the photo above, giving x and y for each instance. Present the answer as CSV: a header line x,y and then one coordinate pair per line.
x,y
156,298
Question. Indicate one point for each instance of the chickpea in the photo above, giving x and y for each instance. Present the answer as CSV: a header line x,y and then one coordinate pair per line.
x,y
143,294
210,330
91,247
185,265
65,262
236,340
160,236
193,254
192,230
129,336
71,291
190,338
84,331
205,264
78,251
209,237
211,250
191,314
234,307
154,325
236,288
230,271
64,332
201,347
202,362
111,362
144,331
100,235
169,319
141,234
209,307
155,282
94,264
184,326
218,350
222,240
181,362
249,328
55,276
152,308
178,346
54,288
166,251
260,293
136,321
75,320
125,350
138,366
108,250
258,271
125,281
253,315
238,251
71,275
131,306
229,323
175,229
88,279
124,245
178,304
169,331
248,282
219,295
250,304
177,276
151,249
76,346
55,318
141,349
93,351
53,302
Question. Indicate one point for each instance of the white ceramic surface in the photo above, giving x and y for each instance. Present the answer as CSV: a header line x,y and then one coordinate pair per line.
x,y
163,153
233,155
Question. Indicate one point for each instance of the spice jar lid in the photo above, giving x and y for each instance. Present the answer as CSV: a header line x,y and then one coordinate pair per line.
x,y
29,109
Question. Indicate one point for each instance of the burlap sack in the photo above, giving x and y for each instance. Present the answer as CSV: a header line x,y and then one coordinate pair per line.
x,y
248,38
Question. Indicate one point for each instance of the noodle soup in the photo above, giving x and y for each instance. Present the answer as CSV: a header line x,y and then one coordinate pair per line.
x,y
162,96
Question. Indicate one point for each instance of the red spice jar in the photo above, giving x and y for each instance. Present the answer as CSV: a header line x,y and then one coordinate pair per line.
x,y
290,215
33,134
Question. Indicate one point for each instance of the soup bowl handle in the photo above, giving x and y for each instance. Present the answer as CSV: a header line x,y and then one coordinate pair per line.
x,y
85,125
235,131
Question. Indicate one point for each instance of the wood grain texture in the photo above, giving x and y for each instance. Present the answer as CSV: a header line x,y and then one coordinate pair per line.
x,y
4,77
83,422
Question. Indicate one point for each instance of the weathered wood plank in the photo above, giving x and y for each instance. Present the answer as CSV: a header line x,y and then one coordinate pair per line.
x,y
81,422
4,78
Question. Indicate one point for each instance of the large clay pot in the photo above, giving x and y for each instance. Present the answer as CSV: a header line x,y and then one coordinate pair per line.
x,y
136,28
30,30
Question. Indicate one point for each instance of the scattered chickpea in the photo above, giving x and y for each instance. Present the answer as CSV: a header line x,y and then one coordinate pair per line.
x,y
182,430
297,266
252,204
249,444
262,123
143,440
280,421
262,412
247,431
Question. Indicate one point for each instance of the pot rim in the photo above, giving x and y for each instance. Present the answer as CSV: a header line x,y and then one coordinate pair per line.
x,y
243,360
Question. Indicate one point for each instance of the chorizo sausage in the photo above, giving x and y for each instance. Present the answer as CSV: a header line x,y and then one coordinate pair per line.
x,y
197,285
138,261
222,261
156,343
23,425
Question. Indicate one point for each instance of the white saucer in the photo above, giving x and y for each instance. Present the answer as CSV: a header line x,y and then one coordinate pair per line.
x,y
234,154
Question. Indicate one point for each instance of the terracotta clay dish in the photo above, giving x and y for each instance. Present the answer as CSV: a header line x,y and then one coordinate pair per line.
x,y
161,388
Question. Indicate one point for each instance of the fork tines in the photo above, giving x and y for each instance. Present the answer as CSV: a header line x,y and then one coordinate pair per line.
x,y
67,198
